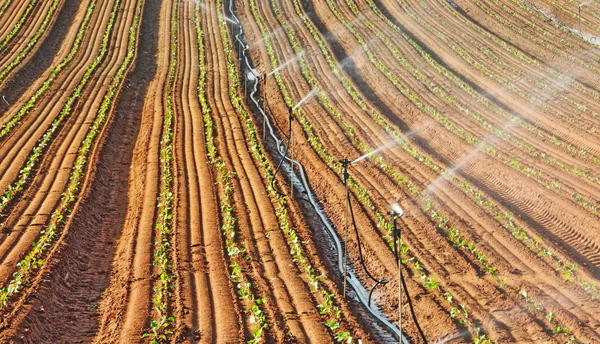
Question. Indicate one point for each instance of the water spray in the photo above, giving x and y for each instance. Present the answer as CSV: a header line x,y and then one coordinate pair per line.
x,y
349,216
395,214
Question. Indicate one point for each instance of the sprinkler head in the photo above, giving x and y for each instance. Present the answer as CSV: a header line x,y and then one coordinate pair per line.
x,y
345,162
396,211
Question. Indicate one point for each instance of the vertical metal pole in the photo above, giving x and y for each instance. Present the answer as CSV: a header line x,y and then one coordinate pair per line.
x,y
291,155
345,163
399,283
398,249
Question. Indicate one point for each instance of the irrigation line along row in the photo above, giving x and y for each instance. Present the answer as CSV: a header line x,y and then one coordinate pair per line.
x,y
302,182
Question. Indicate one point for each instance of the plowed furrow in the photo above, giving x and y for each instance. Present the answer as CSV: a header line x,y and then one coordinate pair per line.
x,y
13,14
28,74
213,312
64,155
18,43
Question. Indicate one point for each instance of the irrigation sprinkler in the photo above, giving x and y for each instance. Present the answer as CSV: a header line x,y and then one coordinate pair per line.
x,y
349,219
396,213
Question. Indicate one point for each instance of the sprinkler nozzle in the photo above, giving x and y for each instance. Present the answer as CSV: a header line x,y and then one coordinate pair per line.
x,y
345,163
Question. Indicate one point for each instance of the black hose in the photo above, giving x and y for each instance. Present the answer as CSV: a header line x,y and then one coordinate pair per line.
x,y
287,147
289,143
360,254
412,311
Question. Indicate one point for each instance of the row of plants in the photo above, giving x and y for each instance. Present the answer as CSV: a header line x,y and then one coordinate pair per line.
x,y
37,153
363,195
426,206
330,312
32,42
17,27
162,320
228,218
455,237
535,174
59,218
8,127
586,9
255,305
4,7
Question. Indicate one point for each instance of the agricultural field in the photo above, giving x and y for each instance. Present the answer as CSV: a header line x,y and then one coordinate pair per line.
x,y
227,171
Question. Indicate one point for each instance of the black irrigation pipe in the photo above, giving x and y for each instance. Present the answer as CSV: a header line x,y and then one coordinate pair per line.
x,y
251,76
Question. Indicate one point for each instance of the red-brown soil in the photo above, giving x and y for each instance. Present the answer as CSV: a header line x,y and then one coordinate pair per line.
x,y
488,112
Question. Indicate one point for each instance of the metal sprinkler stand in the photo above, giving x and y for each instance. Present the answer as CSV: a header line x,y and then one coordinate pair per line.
x,y
349,215
345,163
264,101
398,243
291,143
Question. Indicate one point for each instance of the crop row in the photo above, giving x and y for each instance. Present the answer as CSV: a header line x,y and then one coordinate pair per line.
x,y
255,304
4,7
571,32
32,42
317,145
453,234
331,313
37,153
18,24
163,254
531,61
586,10
30,104
59,218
